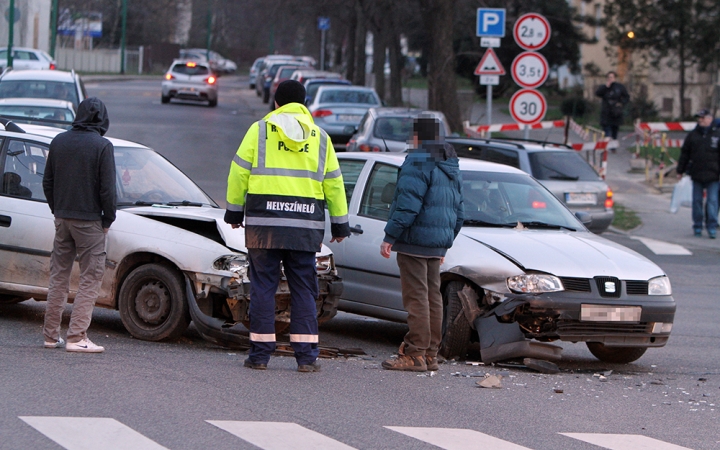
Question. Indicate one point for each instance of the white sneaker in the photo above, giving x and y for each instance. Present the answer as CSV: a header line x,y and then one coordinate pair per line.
x,y
84,346
50,344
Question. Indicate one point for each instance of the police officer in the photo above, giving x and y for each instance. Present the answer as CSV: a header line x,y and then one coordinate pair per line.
x,y
281,177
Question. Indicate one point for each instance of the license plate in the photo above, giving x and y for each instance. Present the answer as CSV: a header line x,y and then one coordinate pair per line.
x,y
348,118
602,313
580,198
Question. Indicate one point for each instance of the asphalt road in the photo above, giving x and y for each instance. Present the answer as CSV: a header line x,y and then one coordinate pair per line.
x,y
164,394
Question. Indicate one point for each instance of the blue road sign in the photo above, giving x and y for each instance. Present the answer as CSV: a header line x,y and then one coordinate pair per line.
x,y
323,23
491,22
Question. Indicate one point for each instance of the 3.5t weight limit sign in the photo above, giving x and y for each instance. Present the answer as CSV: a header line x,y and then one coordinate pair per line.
x,y
528,106
530,69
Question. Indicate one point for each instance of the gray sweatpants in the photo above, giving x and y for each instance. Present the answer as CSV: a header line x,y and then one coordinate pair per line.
x,y
85,240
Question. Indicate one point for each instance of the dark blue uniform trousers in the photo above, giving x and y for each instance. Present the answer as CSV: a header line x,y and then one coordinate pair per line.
x,y
265,276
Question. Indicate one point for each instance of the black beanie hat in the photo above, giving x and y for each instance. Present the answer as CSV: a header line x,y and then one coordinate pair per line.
x,y
290,91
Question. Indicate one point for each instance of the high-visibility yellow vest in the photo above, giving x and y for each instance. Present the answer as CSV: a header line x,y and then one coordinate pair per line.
x,y
280,180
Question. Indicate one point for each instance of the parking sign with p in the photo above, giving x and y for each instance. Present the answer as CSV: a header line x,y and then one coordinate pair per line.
x,y
491,22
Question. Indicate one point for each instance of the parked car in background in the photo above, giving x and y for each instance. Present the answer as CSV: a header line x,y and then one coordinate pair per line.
x,y
312,85
266,77
254,68
267,61
217,63
525,264
57,84
59,113
170,255
302,75
559,168
338,110
283,73
28,58
390,129
190,80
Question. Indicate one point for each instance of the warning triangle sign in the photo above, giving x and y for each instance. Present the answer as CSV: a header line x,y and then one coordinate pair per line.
x,y
490,64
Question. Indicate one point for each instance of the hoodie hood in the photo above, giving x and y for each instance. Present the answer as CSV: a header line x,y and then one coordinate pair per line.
x,y
431,154
294,123
92,116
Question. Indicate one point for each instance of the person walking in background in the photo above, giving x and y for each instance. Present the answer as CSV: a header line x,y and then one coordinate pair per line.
x,y
614,98
425,217
79,184
283,174
700,158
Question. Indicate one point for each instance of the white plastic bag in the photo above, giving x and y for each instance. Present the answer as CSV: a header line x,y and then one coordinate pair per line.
x,y
682,194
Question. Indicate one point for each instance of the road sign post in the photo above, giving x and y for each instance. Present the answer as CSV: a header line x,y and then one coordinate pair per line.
x,y
489,69
323,26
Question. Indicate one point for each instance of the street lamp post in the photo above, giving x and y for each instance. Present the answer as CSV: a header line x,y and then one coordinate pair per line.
x,y
11,28
53,27
122,37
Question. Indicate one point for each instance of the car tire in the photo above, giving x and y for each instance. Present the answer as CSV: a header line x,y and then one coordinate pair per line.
x,y
11,299
152,303
617,355
266,96
456,329
164,99
212,103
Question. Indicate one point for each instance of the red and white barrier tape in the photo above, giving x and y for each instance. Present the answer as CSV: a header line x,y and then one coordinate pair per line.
x,y
669,143
667,126
600,145
478,129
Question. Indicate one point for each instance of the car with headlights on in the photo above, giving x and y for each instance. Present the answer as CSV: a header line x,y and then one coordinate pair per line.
x,y
170,255
57,84
523,269
338,110
390,129
558,167
190,80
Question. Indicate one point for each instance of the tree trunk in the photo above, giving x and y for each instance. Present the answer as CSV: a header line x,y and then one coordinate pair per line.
x,y
395,70
681,57
360,54
379,63
351,43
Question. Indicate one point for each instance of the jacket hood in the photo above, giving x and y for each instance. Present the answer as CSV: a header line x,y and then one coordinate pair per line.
x,y
431,154
92,116
294,123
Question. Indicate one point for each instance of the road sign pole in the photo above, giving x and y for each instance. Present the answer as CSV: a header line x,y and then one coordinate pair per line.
x,y
489,107
527,132
322,49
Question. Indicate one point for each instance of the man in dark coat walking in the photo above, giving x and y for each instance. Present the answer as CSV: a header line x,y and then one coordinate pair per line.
x,y
614,98
425,217
700,158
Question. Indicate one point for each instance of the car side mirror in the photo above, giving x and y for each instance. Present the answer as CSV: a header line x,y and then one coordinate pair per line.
x,y
584,217
349,130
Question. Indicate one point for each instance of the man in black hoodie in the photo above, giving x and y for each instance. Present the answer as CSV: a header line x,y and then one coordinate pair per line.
x,y
79,184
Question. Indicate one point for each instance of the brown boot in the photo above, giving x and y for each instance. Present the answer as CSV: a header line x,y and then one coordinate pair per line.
x,y
432,363
406,362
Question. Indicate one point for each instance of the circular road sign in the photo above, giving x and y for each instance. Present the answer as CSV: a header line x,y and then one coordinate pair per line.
x,y
529,69
531,31
528,106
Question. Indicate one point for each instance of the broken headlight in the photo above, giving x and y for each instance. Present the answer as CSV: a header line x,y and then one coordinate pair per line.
x,y
324,264
534,284
659,286
237,264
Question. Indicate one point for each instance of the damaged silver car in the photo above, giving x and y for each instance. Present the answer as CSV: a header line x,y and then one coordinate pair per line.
x,y
524,270
170,256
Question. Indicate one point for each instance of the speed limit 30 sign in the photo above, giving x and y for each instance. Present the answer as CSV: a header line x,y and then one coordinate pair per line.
x,y
530,69
528,106
531,31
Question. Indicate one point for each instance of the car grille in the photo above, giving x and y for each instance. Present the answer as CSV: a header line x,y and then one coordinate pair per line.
x,y
609,286
576,284
565,327
633,287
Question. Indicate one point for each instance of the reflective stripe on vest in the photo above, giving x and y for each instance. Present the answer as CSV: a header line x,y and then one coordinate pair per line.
x,y
318,175
305,338
235,208
255,337
277,222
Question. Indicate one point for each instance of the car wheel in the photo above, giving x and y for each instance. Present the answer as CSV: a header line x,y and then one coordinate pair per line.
x,y
212,103
152,303
10,299
164,99
456,329
617,355
266,96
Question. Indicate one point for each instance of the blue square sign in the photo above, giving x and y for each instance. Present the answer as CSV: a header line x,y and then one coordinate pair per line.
x,y
491,22
323,23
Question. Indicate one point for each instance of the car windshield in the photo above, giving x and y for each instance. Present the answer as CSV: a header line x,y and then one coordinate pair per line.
x,y
287,72
190,69
394,128
503,199
146,178
348,96
37,112
563,165
39,89
312,88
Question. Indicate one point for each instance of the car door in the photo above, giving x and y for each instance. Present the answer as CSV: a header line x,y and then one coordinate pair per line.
x,y
26,224
371,282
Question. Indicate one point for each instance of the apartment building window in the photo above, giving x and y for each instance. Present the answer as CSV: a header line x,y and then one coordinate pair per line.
x,y
598,17
687,104
667,104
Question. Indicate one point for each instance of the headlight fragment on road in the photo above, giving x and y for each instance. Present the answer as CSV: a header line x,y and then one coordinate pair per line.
x,y
237,264
534,284
324,264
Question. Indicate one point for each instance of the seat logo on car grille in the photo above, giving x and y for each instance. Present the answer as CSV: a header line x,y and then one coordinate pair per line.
x,y
610,287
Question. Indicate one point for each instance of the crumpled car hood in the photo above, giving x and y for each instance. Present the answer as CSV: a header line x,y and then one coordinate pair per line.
x,y
566,253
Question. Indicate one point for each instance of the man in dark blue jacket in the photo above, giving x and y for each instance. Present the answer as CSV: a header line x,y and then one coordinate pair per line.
x,y
425,217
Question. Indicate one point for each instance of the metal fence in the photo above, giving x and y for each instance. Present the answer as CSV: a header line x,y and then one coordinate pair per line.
x,y
99,60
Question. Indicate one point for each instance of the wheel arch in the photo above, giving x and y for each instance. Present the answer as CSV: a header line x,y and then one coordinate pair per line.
x,y
133,261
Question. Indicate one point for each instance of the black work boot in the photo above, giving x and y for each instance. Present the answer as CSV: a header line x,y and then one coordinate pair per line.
x,y
257,366
314,367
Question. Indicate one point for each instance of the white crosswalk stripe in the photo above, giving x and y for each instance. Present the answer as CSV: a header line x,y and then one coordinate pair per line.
x,y
279,435
457,438
623,441
662,247
91,433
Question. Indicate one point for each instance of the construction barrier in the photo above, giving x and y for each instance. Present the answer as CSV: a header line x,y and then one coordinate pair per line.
x,y
666,126
479,130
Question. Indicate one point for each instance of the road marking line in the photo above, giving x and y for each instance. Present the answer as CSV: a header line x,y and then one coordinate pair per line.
x,y
662,247
457,438
623,441
87,433
279,435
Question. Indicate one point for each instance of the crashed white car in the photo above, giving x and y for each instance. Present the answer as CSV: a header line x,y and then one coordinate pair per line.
x,y
170,255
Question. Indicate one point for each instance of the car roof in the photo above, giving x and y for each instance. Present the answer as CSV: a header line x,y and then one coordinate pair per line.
x,y
465,163
340,81
346,88
44,75
515,144
402,112
29,101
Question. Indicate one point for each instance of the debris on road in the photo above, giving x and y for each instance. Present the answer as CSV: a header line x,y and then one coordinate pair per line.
x,y
490,382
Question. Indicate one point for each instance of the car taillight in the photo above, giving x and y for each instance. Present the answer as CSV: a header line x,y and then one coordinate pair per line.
x,y
609,199
169,76
210,80
52,66
322,113
368,148
539,205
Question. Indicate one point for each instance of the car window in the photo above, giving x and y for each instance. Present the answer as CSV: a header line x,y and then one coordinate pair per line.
x,y
23,170
363,123
39,89
37,112
26,56
566,165
394,128
379,192
190,69
286,73
350,172
497,155
348,96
